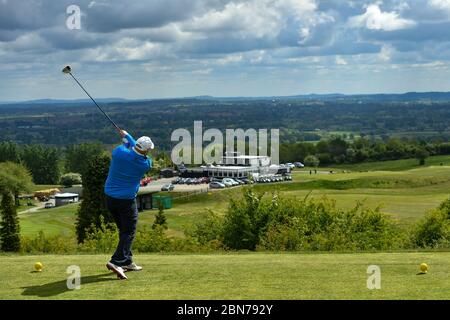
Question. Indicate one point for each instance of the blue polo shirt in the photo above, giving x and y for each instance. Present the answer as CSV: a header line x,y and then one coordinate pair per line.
x,y
126,171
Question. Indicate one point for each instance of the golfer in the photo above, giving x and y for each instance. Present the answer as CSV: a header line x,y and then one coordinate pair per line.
x,y
128,166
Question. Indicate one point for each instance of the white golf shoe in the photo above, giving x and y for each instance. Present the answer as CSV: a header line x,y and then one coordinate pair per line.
x,y
117,270
132,267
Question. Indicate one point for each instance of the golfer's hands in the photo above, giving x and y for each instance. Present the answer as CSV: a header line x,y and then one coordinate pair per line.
x,y
123,133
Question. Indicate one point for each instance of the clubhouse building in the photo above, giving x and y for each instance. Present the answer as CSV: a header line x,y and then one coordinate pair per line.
x,y
236,166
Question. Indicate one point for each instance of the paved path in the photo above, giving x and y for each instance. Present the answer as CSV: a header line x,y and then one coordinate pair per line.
x,y
40,205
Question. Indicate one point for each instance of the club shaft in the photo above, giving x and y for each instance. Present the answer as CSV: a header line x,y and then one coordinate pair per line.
x,y
113,123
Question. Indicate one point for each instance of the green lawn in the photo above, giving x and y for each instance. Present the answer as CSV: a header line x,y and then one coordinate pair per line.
x,y
406,195
52,221
395,165
231,276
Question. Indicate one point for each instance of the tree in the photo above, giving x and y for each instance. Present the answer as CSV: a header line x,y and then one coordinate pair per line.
x,y
160,218
9,225
9,152
15,179
69,179
43,163
78,156
311,161
421,154
93,211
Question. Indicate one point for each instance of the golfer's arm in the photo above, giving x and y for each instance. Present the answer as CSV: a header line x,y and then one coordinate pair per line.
x,y
130,142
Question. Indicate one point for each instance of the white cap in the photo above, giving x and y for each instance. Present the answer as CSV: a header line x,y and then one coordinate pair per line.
x,y
144,144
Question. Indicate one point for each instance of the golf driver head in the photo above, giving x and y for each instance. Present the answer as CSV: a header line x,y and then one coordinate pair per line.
x,y
67,69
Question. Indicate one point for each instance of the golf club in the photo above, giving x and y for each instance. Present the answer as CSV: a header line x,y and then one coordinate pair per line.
x,y
68,70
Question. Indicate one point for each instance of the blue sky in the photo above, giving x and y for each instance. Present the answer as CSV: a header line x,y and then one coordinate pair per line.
x,y
177,48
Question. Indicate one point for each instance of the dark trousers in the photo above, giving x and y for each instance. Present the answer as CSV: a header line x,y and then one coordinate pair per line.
x,y
125,215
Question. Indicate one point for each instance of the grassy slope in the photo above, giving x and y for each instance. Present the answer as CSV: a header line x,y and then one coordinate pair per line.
x,y
407,195
231,276
395,165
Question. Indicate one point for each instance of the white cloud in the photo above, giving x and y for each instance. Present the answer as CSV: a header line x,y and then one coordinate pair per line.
x,y
375,19
341,61
439,4
256,18
231,58
386,53
202,71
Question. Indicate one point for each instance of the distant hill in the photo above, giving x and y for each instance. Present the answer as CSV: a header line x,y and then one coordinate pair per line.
x,y
409,96
64,101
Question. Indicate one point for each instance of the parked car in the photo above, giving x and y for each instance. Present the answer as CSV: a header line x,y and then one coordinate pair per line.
x,y
176,181
49,205
233,182
227,182
299,165
216,185
145,181
290,165
167,187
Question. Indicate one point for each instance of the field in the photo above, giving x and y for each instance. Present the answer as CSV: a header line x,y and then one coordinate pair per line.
x,y
240,276
401,188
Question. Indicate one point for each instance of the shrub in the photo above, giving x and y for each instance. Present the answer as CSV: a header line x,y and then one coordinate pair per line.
x,y
160,218
247,220
151,240
69,179
311,161
276,223
42,244
101,239
208,228
433,230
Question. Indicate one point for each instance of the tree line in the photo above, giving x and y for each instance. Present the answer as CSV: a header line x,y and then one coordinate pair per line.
x,y
297,120
47,164
338,151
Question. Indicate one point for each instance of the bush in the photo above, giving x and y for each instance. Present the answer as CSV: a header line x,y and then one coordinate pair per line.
x,y
151,240
276,223
43,244
433,230
311,161
69,179
160,218
208,228
101,239
247,220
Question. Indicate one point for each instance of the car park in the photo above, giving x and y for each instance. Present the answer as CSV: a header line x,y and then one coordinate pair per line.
x,y
177,180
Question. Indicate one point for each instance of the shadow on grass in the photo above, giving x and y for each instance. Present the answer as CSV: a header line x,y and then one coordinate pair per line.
x,y
58,287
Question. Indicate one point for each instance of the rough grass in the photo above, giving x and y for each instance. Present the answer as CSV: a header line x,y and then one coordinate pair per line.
x,y
231,276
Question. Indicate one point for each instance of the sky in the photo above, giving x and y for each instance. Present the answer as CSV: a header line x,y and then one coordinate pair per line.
x,y
140,49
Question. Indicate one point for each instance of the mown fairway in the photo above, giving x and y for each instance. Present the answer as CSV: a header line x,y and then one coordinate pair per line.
x,y
231,276
406,194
